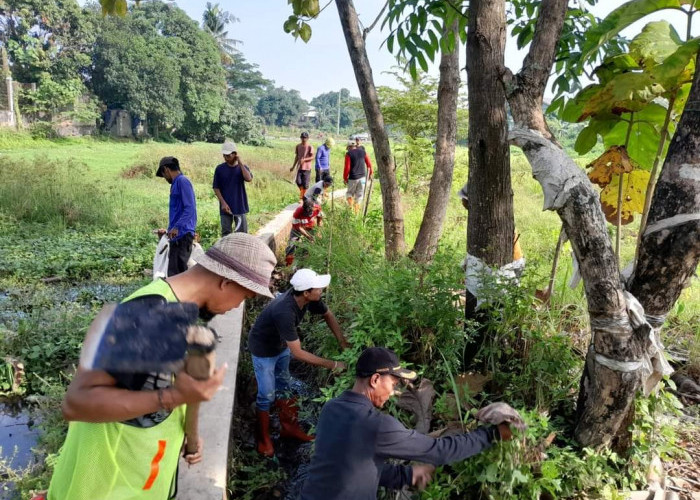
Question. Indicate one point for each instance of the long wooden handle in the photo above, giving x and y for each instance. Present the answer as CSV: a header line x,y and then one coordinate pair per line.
x,y
192,428
200,367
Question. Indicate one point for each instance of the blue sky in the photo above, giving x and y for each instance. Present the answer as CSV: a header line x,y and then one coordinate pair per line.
x,y
323,64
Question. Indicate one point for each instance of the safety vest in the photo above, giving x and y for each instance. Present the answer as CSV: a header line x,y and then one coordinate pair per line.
x,y
115,461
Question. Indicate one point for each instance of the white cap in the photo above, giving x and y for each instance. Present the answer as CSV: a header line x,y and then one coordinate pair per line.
x,y
306,279
228,147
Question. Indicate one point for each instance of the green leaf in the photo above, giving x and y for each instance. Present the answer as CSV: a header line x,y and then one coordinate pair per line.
x,y
120,7
586,140
305,32
654,44
643,141
679,67
290,24
625,93
390,43
423,63
574,108
613,66
620,18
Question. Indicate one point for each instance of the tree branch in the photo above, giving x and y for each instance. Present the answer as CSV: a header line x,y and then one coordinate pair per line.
x,y
540,57
366,31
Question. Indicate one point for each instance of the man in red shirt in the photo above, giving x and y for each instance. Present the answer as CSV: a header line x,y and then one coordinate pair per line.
x,y
304,222
303,159
355,174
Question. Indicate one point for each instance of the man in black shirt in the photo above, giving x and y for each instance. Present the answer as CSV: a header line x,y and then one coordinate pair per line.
x,y
271,341
353,438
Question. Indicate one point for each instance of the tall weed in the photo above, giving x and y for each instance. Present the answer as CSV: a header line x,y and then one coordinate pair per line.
x,y
53,193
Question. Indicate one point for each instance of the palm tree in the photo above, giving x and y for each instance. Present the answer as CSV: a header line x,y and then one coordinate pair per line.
x,y
214,22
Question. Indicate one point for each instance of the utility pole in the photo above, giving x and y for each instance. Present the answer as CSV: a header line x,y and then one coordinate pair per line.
x,y
337,123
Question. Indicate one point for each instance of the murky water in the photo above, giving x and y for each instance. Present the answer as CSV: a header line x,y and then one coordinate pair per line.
x,y
18,434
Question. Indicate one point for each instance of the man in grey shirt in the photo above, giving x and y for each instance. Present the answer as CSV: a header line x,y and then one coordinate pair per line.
x,y
354,439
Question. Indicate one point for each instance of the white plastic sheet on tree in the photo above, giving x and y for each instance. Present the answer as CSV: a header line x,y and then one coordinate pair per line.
x,y
477,273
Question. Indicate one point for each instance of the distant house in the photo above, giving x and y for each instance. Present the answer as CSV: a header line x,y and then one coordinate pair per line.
x,y
310,117
363,136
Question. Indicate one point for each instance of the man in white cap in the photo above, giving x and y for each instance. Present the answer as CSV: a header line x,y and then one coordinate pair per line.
x,y
126,430
229,187
273,339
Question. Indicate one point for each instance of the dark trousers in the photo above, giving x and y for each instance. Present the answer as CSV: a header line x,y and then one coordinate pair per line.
x,y
227,224
180,251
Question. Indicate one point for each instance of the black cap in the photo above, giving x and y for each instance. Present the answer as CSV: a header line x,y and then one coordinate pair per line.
x,y
167,161
383,361
304,135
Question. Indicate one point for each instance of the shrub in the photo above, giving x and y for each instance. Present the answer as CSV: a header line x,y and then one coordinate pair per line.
x,y
42,130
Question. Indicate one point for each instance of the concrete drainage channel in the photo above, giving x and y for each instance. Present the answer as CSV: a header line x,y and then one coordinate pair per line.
x,y
209,478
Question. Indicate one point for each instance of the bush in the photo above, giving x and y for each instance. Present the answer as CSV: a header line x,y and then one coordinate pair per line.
x,y
43,130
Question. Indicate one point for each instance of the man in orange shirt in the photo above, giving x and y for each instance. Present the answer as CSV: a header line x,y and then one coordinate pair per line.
x,y
303,158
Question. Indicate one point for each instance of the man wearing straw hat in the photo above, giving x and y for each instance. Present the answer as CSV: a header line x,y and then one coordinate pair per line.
x,y
126,430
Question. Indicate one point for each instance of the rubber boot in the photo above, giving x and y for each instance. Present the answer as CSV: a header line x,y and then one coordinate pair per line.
x,y
289,423
262,437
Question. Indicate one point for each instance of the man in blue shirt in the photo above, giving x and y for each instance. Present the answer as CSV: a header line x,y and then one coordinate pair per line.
x,y
229,187
323,159
182,214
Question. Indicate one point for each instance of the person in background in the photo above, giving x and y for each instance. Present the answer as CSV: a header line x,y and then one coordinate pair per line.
x,y
323,159
182,215
126,431
357,168
358,142
303,156
354,439
305,220
317,192
273,339
229,187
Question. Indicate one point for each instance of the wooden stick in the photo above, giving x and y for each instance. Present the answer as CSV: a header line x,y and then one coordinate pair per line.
x,y
199,365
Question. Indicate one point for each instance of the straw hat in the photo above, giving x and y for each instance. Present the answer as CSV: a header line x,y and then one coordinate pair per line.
x,y
242,258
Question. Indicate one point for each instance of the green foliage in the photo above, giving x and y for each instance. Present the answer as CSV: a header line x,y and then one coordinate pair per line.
x,y
252,478
214,21
421,29
622,17
351,113
246,84
237,123
296,24
280,107
158,64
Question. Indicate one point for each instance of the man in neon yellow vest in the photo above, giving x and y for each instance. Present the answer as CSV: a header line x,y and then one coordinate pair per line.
x,y
126,430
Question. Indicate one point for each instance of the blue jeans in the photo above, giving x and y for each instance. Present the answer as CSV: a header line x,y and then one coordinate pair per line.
x,y
273,378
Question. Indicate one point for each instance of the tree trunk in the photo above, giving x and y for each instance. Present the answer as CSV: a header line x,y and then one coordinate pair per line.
x,y
394,243
611,376
670,245
441,181
490,226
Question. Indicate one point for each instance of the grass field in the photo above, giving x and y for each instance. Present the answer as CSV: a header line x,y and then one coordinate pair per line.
x,y
77,215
